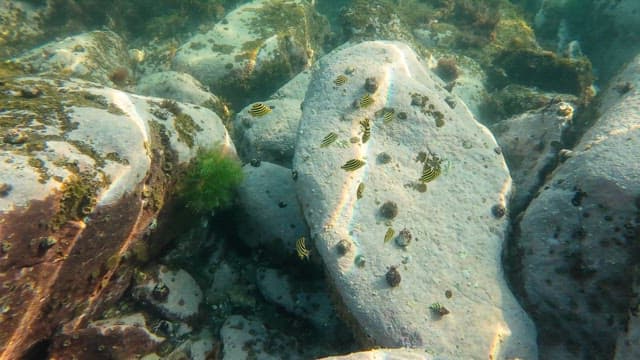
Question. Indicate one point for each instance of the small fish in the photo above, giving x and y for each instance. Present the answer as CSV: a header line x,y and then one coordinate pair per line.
x,y
360,191
259,109
366,130
365,101
340,80
353,164
331,137
387,116
430,171
389,235
301,249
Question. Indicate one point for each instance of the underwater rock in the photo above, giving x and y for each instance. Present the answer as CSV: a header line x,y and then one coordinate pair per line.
x,y
389,354
266,224
19,26
244,338
307,300
258,46
99,56
91,179
270,137
124,337
530,143
181,295
201,346
179,87
578,236
453,229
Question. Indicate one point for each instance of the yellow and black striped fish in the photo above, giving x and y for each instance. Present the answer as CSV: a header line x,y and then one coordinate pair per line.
x,y
366,129
365,101
360,191
353,164
387,116
430,171
259,109
340,80
301,249
331,137
389,235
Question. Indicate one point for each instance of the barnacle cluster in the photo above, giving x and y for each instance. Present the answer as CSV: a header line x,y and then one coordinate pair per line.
x,y
389,210
393,276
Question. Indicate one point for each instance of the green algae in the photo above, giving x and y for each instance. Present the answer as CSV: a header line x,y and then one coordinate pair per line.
x,y
186,128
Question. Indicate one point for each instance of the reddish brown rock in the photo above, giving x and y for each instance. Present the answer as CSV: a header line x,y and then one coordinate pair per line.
x,y
82,194
120,338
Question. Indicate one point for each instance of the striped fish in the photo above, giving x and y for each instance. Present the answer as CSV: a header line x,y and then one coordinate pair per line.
x,y
389,235
331,137
353,164
430,171
340,80
387,116
360,191
301,249
366,130
259,109
365,101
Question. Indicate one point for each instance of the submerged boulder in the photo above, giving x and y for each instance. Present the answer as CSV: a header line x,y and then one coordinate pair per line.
x,y
405,197
254,49
84,175
99,56
579,236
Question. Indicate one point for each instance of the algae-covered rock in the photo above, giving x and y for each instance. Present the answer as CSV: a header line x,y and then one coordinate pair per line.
x,y
255,49
99,56
398,187
19,26
179,87
85,171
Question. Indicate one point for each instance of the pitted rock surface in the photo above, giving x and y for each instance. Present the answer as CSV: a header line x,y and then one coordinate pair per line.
x,y
578,237
456,242
271,137
273,218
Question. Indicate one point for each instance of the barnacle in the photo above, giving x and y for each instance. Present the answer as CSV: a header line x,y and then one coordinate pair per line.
x,y
393,277
389,210
301,249
404,238
498,211
343,246
259,109
330,138
371,84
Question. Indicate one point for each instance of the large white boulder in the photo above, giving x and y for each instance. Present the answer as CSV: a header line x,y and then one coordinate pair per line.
x,y
391,290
